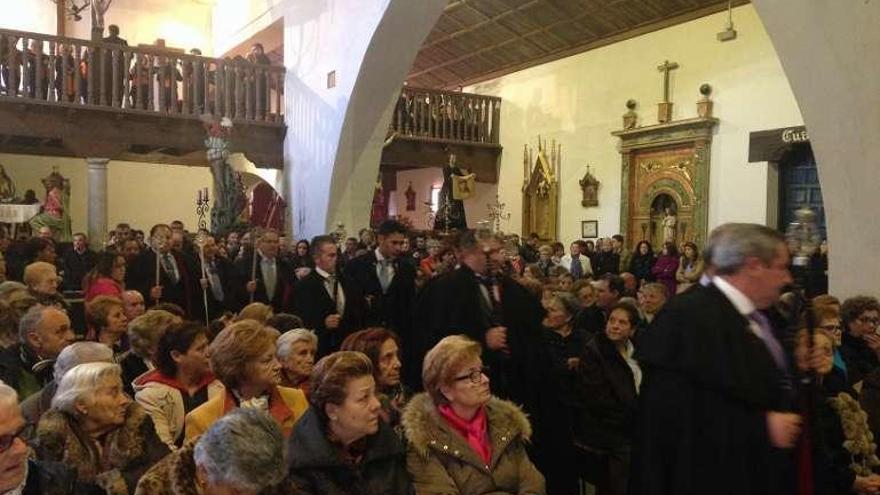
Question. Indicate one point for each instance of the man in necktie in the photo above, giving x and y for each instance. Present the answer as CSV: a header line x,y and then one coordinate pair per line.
x,y
273,280
577,263
711,358
175,273
324,298
216,279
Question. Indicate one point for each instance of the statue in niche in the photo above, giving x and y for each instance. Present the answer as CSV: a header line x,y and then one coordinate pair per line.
x,y
56,207
669,226
664,220
450,211
541,189
230,200
590,189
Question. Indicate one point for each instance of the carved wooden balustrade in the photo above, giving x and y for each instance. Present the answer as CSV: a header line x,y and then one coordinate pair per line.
x,y
80,73
436,115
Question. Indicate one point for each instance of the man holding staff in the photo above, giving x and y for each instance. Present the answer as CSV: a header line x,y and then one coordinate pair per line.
x,y
264,277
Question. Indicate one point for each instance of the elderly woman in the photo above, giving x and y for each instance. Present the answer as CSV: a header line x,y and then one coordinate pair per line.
x,y
15,300
242,357
73,355
456,429
94,428
242,453
383,348
107,278
182,381
608,385
105,317
144,333
341,442
296,352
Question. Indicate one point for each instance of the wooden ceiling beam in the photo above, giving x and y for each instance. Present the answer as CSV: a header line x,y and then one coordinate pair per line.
x,y
474,27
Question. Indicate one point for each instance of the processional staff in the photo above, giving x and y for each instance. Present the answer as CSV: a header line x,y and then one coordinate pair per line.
x,y
201,238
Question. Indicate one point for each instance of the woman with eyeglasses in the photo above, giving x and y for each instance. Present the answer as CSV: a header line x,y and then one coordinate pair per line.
x,y
462,439
860,342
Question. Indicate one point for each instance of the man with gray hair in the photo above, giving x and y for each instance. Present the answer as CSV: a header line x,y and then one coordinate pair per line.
x,y
43,332
242,452
18,475
716,378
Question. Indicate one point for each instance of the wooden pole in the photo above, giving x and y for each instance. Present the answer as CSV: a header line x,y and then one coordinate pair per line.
x,y
60,8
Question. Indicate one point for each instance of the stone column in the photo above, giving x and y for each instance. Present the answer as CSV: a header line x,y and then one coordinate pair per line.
x,y
97,199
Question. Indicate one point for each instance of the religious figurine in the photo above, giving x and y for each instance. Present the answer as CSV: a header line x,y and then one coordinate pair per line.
x,y
410,198
450,211
7,187
55,208
630,118
669,226
229,198
590,189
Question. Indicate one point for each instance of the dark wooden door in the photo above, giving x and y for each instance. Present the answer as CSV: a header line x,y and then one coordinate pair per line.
x,y
799,186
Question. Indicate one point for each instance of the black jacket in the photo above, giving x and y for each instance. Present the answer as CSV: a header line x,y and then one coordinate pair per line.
x,y
75,266
281,300
313,304
708,382
606,396
184,293
16,370
859,358
52,478
316,466
393,309
640,266
606,262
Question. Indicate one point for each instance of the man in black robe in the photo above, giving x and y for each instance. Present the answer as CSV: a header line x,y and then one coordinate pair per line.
x,y
450,212
178,275
714,371
325,300
270,280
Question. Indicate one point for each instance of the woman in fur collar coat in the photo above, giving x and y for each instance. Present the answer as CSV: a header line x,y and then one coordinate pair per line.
x,y
461,439
95,428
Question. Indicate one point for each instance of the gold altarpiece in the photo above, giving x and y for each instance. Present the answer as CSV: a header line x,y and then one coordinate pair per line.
x,y
541,190
665,169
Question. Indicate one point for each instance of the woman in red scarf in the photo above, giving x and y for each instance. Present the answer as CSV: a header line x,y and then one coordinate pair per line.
x,y
461,438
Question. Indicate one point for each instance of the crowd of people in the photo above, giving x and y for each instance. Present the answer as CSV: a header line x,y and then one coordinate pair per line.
x,y
415,362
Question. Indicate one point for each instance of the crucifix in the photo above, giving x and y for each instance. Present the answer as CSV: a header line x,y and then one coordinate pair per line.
x,y
664,111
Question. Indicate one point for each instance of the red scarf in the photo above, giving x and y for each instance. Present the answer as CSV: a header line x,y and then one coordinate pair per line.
x,y
475,430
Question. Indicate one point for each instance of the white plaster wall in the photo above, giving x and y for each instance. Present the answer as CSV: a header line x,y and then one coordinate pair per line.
x,y
138,193
476,208
181,23
579,101
37,16
234,21
830,55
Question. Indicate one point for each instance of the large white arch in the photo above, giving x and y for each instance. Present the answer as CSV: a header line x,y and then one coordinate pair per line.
x,y
829,50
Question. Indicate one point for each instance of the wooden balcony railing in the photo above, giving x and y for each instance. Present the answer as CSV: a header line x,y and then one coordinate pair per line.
x,y
432,114
80,73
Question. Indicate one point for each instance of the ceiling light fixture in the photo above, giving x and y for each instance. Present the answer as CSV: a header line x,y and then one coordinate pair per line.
x,y
729,33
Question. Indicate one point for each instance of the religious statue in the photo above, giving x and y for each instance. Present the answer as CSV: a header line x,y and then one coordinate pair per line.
x,y
590,189
229,197
669,222
379,210
450,211
55,208
541,190
410,198
7,187
630,118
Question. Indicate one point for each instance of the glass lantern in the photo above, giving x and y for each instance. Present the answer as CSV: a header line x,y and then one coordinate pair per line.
x,y
803,237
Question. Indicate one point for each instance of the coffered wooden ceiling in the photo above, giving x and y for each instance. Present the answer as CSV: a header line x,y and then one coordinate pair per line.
x,y
475,40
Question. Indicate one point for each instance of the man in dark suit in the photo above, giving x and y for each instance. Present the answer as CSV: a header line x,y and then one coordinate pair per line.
x,y
77,262
387,285
711,414
178,276
325,300
272,281
216,282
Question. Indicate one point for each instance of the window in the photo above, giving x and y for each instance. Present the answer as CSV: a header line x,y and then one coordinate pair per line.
x,y
435,198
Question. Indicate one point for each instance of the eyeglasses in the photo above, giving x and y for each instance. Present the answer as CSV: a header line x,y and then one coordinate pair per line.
x,y
831,328
6,441
475,376
868,321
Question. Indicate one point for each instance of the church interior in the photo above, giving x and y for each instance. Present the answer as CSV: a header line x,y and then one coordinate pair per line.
x,y
541,122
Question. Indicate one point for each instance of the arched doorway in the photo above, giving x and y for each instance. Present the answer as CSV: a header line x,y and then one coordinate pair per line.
x,y
266,207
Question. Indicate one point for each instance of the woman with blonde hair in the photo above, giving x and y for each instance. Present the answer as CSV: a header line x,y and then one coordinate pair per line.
x,y
255,311
462,439
242,357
